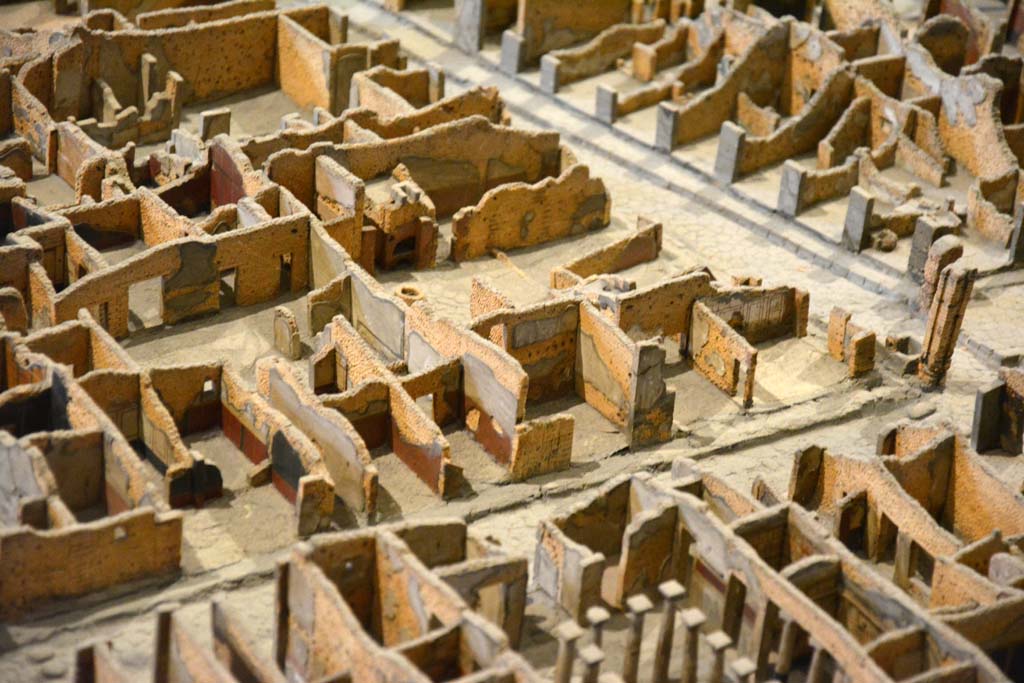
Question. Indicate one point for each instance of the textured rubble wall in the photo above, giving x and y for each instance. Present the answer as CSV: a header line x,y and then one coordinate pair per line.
x,y
547,25
519,215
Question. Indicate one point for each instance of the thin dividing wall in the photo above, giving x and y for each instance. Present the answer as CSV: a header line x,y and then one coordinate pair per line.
x,y
622,379
341,448
188,478
183,16
391,93
495,385
600,54
138,538
726,326
181,659
414,437
661,309
542,339
973,500
519,215
332,639
641,247
621,523
758,72
473,141
80,162
33,123
188,266
260,432
311,71
545,25
477,101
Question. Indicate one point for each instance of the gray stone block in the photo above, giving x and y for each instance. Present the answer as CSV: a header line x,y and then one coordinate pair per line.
x,y
469,25
666,128
512,51
730,149
857,227
926,232
607,107
789,190
549,66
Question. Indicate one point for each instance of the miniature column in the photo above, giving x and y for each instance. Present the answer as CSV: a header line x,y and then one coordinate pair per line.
x,y
904,560
719,641
693,619
787,645
638,606
162,663
816,671
592,656
673,593
282,614
944,321
567,633
743,670
597,617
764,636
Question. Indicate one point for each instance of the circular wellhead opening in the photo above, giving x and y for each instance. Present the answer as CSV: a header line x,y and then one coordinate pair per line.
x,y
408,293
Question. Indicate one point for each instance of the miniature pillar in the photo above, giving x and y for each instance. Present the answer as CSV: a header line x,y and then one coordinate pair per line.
x,y
904,560
567,633
743,670
816,671
693,619
787,645
944,321
597,617
85,664
638,606
161,665
764,636
282,614
592,658
719,642
673,594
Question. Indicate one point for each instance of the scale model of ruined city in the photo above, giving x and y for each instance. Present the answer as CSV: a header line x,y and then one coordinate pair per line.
x,y
512,341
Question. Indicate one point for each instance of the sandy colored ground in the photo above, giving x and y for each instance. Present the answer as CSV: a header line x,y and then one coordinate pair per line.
x,y
801,397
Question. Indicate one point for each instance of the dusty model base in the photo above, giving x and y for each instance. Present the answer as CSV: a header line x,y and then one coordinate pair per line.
x,y
482,340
